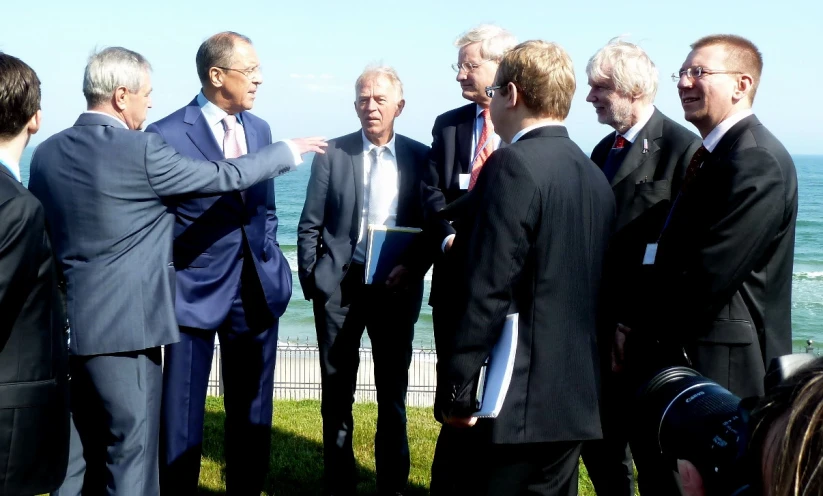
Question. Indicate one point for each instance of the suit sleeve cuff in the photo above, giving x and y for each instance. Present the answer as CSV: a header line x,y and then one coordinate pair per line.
x,y
298,159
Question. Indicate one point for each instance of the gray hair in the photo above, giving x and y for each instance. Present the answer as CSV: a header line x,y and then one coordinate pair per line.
x,y
627,66
111,68
217,51
494,41
374,71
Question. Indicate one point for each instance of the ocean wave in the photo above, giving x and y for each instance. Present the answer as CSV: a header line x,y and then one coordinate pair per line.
x,y
807,276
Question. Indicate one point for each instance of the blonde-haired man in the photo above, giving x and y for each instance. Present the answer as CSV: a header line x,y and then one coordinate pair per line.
x,y
371,176
644,159
536,228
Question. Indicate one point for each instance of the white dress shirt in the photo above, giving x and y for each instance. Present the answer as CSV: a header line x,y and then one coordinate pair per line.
x,y
214,116
12,165
120,121
531,128
633,131
385,210
717,133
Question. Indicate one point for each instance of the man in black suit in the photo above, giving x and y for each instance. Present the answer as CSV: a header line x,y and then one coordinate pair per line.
x,y
462,140
535,235
34,408
644,160
368,177
720,295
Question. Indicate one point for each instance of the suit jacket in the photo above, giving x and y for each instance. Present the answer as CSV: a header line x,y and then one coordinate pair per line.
x,y
643,188
723,272
451,155
210,232
330,222
103,189
34,414
534,242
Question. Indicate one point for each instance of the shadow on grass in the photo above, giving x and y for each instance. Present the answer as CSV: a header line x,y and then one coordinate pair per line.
x,y
295,463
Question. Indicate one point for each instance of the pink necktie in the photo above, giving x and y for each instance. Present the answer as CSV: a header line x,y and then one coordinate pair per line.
x,y
233,144
484,147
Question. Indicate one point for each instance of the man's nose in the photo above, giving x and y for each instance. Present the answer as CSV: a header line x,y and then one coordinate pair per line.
x,y
590,97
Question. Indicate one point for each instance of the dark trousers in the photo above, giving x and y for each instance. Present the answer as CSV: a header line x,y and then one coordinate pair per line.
x,y
609,460
452,470
115,404
547,469
389,319
248,360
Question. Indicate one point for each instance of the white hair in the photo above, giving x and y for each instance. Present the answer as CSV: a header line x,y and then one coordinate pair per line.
x,y
110,68
374,71
494,41
627,66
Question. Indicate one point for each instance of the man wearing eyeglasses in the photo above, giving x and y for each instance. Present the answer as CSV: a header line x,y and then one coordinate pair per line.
x,y
232,279
462,141
644,160
536,231
722,268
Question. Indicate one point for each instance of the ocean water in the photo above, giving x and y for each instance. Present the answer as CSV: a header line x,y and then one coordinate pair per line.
x,y
297,324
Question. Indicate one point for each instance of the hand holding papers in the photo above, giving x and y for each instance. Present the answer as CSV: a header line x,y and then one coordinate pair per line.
x,y
384,250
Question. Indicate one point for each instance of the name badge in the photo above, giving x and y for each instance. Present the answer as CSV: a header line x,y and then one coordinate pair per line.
x,y
464,180
651,254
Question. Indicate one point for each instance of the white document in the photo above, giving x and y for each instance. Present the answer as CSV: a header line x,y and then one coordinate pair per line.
x,y
464,180
497,373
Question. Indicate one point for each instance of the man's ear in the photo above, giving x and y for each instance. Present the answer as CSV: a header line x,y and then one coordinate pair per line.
x,y
512,96
119,99
400,106
34,122
216,77
745,83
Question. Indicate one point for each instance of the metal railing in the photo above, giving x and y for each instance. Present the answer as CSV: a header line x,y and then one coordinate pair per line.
x,y
297,375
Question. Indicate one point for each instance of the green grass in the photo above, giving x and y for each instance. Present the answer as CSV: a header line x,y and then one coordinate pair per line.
x,y
296,466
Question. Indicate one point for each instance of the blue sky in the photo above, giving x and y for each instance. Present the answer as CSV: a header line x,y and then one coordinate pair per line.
x,y
312,52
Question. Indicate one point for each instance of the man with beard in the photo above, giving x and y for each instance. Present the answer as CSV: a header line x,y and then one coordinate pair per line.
x,y
644,160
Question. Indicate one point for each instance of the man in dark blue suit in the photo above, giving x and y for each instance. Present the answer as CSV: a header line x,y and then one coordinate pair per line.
x,y
232,280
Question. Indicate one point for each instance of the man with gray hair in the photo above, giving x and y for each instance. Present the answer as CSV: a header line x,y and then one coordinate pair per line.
x,y
105,190
644,159
233,281
462,141
371,176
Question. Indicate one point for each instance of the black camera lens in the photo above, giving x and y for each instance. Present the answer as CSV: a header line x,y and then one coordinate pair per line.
x,y
689,417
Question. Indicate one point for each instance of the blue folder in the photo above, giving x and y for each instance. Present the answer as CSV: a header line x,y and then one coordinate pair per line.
x,y
385,248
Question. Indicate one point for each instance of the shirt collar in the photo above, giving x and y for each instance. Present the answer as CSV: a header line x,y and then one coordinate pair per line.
x,y
12,165
212,112
718,132
633,131
368,145
526,130
478,110
107,115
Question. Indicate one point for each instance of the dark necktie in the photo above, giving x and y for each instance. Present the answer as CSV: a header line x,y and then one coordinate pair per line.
x,y
615,158
697,160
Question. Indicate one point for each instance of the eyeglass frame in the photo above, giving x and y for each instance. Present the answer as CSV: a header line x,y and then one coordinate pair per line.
x,y
249,73
462,66
701,71
491,89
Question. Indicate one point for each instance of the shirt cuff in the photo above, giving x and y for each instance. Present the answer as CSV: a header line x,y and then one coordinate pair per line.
x,y
445,241
298,159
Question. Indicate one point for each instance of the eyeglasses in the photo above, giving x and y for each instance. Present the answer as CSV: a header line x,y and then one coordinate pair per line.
x,y
697,72
249,73
467,66
490,90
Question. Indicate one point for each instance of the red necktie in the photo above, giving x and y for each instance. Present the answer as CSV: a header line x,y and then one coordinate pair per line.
x,y
619,142
484,147
694,165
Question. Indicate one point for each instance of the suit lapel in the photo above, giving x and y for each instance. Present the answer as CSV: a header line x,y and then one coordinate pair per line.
x,y
251,134
355,152
200,134
651,132
404,177
465,130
